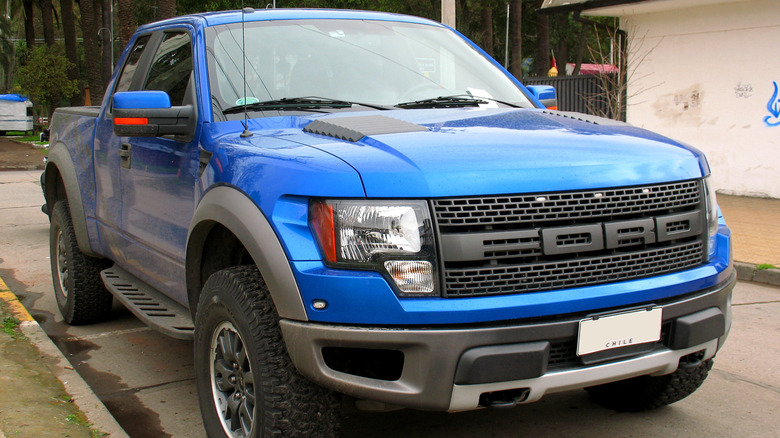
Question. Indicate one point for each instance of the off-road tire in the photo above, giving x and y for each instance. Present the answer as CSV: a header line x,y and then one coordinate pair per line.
x,y
235,303
81,296
646,392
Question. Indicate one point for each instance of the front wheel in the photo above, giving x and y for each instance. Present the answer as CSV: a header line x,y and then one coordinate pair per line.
x,y
247,384
648,392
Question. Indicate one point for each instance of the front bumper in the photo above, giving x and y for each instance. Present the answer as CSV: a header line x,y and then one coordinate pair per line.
x,y
455,369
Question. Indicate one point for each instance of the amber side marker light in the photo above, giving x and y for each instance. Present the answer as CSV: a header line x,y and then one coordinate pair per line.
x,y
131,121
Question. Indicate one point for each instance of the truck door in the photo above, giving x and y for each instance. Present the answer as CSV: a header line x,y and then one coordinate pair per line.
x,y
157,175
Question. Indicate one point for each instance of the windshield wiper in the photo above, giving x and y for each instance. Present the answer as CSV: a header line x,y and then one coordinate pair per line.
x,y
442,102
297,103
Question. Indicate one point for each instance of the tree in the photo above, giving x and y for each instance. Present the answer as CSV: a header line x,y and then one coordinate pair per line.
x,y
516,37
127,22
166,9
91,19
47,15
71,50
29,23
45,77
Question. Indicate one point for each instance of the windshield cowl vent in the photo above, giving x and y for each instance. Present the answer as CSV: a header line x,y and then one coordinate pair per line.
x,y
355,128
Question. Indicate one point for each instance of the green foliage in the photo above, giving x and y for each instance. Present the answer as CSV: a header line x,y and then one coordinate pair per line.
x,y
45,75
9,325
764,266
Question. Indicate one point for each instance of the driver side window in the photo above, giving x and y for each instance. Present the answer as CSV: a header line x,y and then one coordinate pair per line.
x,y
172,66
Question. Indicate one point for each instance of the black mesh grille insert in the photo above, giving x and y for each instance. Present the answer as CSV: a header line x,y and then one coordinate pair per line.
x,y
546,207
543,276
539,242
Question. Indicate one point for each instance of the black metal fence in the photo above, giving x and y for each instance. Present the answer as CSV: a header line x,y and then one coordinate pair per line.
x,y
582,93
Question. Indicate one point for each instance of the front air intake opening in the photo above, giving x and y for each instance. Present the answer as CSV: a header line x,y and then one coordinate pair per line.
x,y
372,363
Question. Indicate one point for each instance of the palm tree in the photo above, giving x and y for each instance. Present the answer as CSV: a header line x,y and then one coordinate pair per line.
x,y
166,9
69,32
127,23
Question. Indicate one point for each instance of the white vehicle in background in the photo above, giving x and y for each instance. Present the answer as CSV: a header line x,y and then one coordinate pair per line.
x,y
16,113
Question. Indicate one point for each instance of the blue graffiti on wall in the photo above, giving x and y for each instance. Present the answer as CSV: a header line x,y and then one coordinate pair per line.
x,y
774,109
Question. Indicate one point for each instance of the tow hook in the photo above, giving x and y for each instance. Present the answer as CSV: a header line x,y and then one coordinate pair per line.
x,y
692,360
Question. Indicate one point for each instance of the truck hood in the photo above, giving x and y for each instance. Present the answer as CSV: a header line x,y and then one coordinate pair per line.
x,y
478,151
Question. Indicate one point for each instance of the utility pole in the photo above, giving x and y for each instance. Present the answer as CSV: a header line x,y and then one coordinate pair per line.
x,y
448,13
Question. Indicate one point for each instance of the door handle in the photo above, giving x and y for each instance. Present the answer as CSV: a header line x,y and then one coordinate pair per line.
x,y
124,155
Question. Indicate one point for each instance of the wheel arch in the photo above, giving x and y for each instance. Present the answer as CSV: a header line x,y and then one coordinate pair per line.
x,y
61,182
226,211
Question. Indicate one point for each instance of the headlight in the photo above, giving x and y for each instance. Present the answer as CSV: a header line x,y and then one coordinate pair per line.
x,y
392,237
712,216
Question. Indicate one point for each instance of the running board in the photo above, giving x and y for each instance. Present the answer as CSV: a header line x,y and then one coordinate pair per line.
x,y
150,306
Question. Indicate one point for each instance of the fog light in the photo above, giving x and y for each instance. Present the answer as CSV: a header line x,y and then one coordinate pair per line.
x,y
411,276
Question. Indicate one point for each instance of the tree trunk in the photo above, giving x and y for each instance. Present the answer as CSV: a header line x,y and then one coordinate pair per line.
x,y
542,62
580,49
127,23
487,30
48,22
90,9
516,32
463,18
108,43
562,52
166,9
69,32
29,24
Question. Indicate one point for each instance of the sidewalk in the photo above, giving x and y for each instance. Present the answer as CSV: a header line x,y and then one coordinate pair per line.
x,y
755,225
41,395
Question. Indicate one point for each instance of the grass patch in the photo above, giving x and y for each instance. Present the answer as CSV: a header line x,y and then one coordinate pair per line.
x,y
9,325
764,266
79,419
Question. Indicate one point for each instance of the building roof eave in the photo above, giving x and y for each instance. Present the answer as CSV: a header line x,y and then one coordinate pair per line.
x,y
565,6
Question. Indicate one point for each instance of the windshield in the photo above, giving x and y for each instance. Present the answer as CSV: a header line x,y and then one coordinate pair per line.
x,y
370,62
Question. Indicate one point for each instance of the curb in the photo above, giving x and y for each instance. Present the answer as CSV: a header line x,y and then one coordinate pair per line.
x,y
83,396
749,272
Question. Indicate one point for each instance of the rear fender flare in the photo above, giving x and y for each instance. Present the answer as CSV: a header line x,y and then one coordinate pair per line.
x,y
60,159
235,211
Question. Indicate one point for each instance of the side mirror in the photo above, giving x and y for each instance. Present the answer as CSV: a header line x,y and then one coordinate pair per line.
x,y
546,95
150,114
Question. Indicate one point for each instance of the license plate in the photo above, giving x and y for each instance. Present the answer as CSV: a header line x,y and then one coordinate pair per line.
x,y
620,330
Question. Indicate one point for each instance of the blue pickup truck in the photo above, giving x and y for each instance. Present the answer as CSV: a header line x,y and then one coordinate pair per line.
x,y
343,205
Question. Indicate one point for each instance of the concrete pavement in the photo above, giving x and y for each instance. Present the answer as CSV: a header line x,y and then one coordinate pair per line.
x,y
732,372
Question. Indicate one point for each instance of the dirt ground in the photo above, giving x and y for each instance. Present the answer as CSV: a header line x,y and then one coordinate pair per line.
x,y
19,156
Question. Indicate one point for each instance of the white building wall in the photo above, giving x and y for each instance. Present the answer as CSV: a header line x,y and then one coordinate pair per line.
x,y
707,80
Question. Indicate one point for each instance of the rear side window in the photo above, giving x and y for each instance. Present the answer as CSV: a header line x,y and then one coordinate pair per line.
x,y
171,67
126,78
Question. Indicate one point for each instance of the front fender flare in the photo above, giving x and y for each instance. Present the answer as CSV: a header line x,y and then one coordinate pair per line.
x,y
235,211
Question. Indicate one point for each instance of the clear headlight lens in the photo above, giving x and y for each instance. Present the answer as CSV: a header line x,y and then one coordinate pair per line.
x,y
712,216
393,237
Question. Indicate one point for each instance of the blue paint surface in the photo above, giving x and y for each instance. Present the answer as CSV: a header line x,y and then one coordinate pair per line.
x,y
773,106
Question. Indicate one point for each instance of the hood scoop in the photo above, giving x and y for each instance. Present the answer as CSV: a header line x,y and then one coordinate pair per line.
x,y
596,120
355,128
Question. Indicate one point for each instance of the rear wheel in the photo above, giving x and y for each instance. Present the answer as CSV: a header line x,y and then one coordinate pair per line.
x,y
647,392
81,296
247,384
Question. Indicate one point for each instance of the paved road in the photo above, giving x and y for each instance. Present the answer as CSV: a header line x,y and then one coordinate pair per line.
x,y
146,379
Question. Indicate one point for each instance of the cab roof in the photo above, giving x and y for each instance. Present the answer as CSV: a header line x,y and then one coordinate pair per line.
x,y
207,19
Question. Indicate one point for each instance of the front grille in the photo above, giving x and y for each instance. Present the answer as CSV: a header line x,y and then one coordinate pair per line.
x,y
541,242
460,213
544,276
